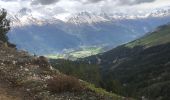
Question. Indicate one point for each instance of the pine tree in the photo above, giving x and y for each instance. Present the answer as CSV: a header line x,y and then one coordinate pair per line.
x,y
4,26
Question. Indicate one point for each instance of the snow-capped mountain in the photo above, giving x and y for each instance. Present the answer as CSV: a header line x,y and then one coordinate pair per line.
x,y
53,34
86,17
26,17
160,12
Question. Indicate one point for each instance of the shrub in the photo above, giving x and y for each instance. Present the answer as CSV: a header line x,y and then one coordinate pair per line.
x,y
63,83
42,61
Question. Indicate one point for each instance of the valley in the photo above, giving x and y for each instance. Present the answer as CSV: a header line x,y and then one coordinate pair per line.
x,y
138,69
85,50
55,36
141,67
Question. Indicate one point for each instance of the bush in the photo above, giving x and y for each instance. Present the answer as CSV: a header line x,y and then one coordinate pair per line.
x,y
63,83
42,61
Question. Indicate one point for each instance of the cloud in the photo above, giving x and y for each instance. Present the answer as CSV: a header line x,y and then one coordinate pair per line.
x,y
12,0
133,2
118,2
94,1
48,2
44,2
90,1
60,7
8,0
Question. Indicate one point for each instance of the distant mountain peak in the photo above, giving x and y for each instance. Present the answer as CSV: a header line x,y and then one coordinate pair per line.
x,y
85,17
25,17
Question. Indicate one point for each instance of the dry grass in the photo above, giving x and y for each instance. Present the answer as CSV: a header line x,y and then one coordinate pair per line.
x,y
63,83
41,61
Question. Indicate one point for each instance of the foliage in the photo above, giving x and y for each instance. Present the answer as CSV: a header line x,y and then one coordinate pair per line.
x,y
4,25
103,91
87,72
144,72
139,68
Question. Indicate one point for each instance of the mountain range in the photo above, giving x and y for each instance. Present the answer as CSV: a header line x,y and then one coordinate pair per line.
x,y
136,67
54,35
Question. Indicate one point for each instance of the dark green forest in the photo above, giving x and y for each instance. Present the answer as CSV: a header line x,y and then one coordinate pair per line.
x,y
84,71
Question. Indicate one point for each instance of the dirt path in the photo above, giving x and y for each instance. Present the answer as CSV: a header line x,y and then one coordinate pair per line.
x,y
8,94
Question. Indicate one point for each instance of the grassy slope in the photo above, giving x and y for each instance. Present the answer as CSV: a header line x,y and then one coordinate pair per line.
x,y
144,70
161,36
101,91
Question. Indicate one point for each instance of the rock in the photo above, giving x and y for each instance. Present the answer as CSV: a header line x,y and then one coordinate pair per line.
x,y
26,69
14,62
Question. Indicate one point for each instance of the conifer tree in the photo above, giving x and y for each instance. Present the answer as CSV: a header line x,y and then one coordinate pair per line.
x,y
4,25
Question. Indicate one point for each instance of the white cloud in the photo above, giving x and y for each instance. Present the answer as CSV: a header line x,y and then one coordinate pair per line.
x,y
63,7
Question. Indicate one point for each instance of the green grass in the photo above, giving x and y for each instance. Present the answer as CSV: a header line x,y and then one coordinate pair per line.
x,y
161,36
55,56
103,92
84,52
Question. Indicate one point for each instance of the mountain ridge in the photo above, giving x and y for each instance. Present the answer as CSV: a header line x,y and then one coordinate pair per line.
x,y
85,29
141,67
25,16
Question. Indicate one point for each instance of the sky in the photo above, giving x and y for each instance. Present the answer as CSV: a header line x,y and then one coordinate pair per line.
x,y
64,7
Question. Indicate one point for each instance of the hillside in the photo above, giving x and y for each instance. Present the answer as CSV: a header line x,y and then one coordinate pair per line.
x,y
27,77
156,38
160,36
33,78
139,68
